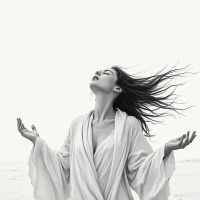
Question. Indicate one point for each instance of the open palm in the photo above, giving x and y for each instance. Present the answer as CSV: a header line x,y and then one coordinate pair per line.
x,y
180,143
24,131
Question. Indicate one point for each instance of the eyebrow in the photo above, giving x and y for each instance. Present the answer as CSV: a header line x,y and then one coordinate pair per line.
x,y
108,70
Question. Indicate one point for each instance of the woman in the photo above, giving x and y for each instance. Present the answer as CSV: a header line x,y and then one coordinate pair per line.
x,y
105,152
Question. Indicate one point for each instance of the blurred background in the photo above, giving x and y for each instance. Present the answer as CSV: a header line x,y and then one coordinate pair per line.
x,y
49,52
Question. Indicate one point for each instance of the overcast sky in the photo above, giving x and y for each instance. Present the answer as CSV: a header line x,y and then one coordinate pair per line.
x,y
50,50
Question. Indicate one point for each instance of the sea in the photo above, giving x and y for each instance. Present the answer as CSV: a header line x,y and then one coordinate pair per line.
x,y
15,183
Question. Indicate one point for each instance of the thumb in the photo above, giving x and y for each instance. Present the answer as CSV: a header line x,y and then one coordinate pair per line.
x,y
33,127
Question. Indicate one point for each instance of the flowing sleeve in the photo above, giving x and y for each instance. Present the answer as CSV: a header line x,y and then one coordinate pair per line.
x,y
148,174
49,170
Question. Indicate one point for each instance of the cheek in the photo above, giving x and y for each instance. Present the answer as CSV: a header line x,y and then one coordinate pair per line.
x,y
111,82
107,84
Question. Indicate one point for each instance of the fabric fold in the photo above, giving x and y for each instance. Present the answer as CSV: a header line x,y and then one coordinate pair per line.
x,y
126,159
148,174
47,174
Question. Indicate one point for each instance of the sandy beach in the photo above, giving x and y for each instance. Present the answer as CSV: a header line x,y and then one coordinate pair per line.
x,y
16,185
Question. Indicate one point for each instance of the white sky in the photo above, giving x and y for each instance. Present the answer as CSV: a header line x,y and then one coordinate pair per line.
x,y
50,50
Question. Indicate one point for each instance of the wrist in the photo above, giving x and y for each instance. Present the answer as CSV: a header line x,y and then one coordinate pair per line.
x,y
167,150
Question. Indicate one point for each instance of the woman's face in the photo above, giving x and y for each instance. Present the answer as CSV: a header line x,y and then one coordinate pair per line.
x,y
106,81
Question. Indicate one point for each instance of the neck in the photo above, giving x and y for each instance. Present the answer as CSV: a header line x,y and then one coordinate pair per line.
x,y
103,109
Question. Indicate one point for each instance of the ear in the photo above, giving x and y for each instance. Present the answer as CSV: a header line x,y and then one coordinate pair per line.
x,y
118,89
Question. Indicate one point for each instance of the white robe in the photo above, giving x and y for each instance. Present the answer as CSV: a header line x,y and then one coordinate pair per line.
x,y
122,161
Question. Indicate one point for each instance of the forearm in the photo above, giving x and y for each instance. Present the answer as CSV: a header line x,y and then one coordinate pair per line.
x,y
167,151
31,137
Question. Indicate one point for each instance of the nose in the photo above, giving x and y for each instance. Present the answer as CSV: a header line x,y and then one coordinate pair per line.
x,y
97,73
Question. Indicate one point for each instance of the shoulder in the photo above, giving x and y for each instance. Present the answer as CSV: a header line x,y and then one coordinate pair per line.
x,y
72,126
134,126
132,120
75,121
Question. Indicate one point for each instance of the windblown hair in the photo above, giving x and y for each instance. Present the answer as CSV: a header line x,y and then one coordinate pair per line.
x,y
140,95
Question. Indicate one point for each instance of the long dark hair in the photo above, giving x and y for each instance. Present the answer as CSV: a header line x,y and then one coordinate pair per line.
x,y
140,94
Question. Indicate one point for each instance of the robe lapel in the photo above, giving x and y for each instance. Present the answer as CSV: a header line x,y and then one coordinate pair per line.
x,y
86,167
119,155
87,140
84,156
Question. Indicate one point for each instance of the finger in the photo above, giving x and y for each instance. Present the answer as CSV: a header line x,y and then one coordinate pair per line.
x,y
181,142
192,137
17,123
185,143
20,120
23,127
20,125
182,137
188,137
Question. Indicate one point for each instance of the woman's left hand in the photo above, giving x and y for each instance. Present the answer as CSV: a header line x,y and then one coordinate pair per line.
x,y
180,143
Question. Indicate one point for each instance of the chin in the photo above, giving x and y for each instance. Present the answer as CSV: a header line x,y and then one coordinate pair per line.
x,y
93,83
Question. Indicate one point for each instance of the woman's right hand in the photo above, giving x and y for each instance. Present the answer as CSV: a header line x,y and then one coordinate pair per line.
x,y
31,135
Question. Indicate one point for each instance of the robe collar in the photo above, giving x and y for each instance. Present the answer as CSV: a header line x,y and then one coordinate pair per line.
x,y
85,152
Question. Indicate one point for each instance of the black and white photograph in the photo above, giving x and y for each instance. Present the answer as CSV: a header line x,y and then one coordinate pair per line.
x,y
99,100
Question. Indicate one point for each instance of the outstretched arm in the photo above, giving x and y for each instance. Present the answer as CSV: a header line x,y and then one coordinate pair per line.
x,y
147,173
